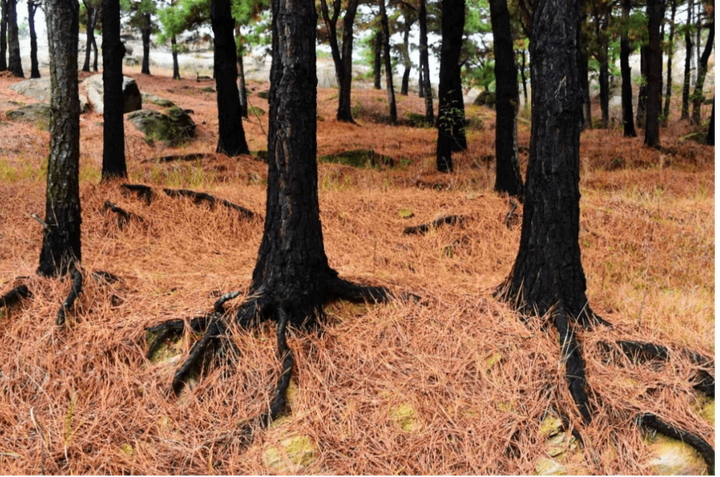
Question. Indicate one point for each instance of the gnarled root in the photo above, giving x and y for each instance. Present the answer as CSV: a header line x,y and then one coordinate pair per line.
x,y
75,290
425,228
199,197
704,449
574,364
15,295
142,191
123,216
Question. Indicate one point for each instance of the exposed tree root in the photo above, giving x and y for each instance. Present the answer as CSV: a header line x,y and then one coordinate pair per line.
x,y
75,290
15,295
103,276
199,197
123,216
574,364
509,218
179,157
142,191
704,449
425,228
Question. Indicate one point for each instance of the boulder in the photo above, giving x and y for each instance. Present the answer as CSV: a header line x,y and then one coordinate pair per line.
x,y
131,61
157,100
673,457
131,93
39,88
486,98
173,127
38,113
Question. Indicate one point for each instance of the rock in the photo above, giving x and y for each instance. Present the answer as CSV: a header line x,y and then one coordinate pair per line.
x,y
672,457
173,127
406,214
131,61
494,359
291,456
255,111
207,89
39,88
550,426
128,49
157,100
264,94
38,113
549,467
708,411
486,98
131,93
404,416
359,158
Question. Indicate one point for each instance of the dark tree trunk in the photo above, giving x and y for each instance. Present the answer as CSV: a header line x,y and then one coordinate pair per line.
x,y
231,140
421,89
656,13
711,127
377,64
34,69
146,44
627,96
425,63
405,85
524,78
61,235
388,63
685,114
507,177
451,114
548,273
671,51
604,73
113,127
242,88
698,97
3,35
95,49
585,87
14,62
176,64
89,26
643,90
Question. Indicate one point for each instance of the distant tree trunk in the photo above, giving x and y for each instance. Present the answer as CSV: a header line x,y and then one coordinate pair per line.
x,y
34,69
95,49
388,63
584,87
425,63
698,97
671,51
113,126
146,44
176,64
451,114
625,71
242,88
89,26
406,53
656,13
3,35
507,176
421,81
711,128
524,78
686,78
377,65
61,236
604,73
14,63
231,140
643,91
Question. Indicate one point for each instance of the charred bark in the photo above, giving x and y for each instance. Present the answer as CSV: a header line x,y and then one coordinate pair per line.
x,y
425,63
698,97
114,165
625,50
231,137
14,61
656,13
507,176
388,63
711,127
145,32
242,88
641,115
685,111
406,50
3,35
342,59
524,78
34,69
585,85
61,232
671,51
377,60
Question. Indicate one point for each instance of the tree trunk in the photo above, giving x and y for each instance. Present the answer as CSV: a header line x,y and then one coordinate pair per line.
x,y
34,69
242,88
377,64
451,114
146,44
14,63
711,127
643,90
421,89
95,48
61,235
698,97
113,127
345,87
176,64
231,140
507,177
388,63
585,87
685,114
671,51
604,74
3,35
89,11
625,71
405,85
523,77
425,63
656,13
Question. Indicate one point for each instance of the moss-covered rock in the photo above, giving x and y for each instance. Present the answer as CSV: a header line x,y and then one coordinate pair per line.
x,y
362,158
549,467
255,111
38,114
404,416
405,214
157,100
173,127
672,457
708,411
292,455
550,426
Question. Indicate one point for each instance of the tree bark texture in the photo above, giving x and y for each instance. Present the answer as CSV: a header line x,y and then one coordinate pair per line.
x,y
656,13
671,51
604,73
698,97
585,85
405,85
176,64
451,113
34,68
388,63
425,63
61,235
625,71
146,44
523,77
3,35
507,177
231,140
14,61
641,114
114,165
685,114
377,63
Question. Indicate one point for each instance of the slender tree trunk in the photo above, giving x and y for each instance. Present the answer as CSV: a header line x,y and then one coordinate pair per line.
x,y
643,90
604,74
405,85
421,81
14,63
698,97
425,63
685,114
711,127
88,33
548,274
113,127
3,35
176,64
231,140
146,44
61,236
242,88
585,87
388,63
377,64
507,177
671,51
625,71
450,112
656,13
34,69
524,78
95,48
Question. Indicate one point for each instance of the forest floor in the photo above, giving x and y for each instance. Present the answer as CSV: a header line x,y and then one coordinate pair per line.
x,y
454,384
